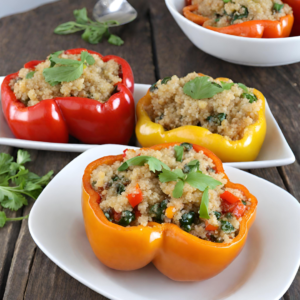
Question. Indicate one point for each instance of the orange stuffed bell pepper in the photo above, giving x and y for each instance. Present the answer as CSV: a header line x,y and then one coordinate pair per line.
x,y
198,246
251,29
244,148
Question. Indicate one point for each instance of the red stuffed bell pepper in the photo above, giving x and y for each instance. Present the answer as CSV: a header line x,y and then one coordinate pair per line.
x,y
295,5
88,120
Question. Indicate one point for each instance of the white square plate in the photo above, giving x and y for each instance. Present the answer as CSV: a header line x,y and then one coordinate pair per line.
x,y
264,269
274,152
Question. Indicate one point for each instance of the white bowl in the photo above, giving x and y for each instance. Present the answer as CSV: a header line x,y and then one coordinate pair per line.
x,y
234,49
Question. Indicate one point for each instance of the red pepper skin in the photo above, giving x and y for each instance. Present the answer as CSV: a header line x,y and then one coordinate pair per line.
x,y
88,120
295,5
41,122
136,197
237,208
229,197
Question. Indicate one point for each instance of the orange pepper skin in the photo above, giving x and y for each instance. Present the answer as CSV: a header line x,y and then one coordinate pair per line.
x,y
176,253
250,29
246,29
188,13
246,149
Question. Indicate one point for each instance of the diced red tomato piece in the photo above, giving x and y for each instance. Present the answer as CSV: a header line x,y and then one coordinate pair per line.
x,y
124,152
237,209
229,197
136,197
210,227
117,216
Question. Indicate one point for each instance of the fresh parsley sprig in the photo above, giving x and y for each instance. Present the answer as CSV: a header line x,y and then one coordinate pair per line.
x,y
66,70
195,178
154,163
93,31
201,87
190,175
16,182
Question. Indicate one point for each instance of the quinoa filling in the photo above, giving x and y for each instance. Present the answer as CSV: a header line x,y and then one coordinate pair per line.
x,y
174,185
223,13
225,108
96,79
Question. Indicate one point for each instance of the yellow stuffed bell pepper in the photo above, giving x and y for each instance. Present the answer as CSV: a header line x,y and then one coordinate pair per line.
x,y
246,149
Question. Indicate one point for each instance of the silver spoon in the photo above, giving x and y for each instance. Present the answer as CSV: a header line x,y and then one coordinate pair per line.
x,y
117,10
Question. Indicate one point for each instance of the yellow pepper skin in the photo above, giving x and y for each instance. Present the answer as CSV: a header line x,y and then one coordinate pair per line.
x,y
174,252
246,149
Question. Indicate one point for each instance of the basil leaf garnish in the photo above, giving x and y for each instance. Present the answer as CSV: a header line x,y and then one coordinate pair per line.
x,y
203,211
30,75
154,163
201,88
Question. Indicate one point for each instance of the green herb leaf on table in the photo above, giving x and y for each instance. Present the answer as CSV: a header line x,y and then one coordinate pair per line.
x,y
115,40
16,182
201,88
4,219
81,16
154,163
93,31
23,157
203,211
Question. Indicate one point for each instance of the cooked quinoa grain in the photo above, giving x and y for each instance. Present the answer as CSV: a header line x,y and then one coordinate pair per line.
x,y
222,14
227,113
157,201
97,82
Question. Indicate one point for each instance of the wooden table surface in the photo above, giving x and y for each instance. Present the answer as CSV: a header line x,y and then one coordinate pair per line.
x,y
155,47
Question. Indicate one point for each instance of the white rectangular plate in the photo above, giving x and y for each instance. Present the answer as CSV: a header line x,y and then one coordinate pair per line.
x,y
264,269
274,152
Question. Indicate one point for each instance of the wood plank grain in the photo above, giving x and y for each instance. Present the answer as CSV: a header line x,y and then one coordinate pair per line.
x,y
48,281
8,237
37,40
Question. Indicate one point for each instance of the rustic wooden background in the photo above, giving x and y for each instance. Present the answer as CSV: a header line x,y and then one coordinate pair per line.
x,y
155,47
